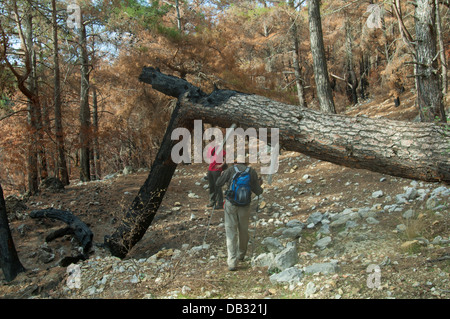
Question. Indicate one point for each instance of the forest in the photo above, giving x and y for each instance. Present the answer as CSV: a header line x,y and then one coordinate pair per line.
x,y
89,88
72,105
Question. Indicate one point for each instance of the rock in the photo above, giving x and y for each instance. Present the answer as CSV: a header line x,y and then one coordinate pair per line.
x,y
310,289
440,191
325,229
323,268
314,218
433,202
401,228
185,290
294,223
263,260
409,214
15,207
323,243
411,193
287,258
272,244
377,194
293,233
291,275
343,219
127,170
372,221
45,254
199,248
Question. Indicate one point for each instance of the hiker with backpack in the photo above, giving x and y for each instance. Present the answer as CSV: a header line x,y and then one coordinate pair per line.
x,y
242,181
216,166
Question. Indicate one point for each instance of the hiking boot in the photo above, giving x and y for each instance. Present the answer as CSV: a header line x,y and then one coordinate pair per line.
x,y
210,205
232,268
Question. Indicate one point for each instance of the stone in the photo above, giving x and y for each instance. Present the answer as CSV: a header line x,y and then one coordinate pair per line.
x,y
293,232
411,193
314,218
372,221
127,170
325,229
287,258
323,243
272,244
294,223
310,289
290,275
408,214
377,194
263,260
323,268
401,228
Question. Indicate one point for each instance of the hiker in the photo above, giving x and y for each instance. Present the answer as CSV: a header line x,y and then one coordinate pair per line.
x,y
216,166
242,181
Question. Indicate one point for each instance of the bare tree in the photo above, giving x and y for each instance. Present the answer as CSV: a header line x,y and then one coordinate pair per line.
x,y
61,162
323,86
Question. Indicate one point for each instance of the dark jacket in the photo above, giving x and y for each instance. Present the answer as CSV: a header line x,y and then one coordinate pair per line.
x,y
227,177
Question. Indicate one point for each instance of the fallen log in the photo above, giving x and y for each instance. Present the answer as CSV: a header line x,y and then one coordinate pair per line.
x,y
405,149
74,226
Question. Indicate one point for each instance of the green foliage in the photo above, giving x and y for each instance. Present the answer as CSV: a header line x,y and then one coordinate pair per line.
x,y
147,14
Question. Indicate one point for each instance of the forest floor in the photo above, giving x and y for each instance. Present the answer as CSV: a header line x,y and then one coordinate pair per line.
x,y
404,233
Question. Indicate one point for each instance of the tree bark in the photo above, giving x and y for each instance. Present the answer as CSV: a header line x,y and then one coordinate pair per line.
x,y
9,260
62,171
80,229
323,87
85,174
429,93
411,150
352,82
296,58
33,106
96,145
441,49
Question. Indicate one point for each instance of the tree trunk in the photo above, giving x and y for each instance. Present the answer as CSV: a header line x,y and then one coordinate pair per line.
x,y
352,82
33,105
96,146
296,59
323,87
85,174
9,260
62,171
412,150
429,94
441,49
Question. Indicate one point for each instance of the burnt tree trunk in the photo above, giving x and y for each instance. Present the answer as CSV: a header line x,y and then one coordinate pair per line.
x,y
411,150
9,261
324,92
429,93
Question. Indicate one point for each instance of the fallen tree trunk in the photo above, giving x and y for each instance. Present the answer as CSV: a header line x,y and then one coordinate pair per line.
x,y
411,150
74,226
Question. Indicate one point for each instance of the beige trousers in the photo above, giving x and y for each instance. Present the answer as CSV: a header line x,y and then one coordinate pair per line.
x,y
236,227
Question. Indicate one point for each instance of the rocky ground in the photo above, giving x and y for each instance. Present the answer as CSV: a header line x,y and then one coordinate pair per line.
x,y
320,231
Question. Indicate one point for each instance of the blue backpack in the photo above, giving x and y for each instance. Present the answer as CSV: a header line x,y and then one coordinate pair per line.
x,y
239,193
